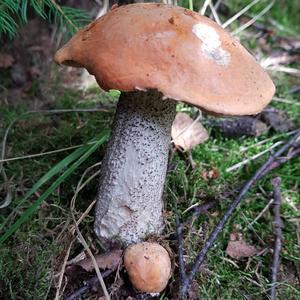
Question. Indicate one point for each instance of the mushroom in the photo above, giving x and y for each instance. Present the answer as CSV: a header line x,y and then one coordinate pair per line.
x,y
148,266
156,55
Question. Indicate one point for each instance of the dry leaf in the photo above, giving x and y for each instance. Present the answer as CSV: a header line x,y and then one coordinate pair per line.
x,y
105,261
214,173
186,133
237,248
6,60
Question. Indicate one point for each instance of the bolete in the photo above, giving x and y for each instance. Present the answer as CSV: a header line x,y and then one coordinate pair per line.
x,y
156,55
148,266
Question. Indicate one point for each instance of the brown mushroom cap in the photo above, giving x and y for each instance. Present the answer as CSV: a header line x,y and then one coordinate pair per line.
x,y
148,266
184,55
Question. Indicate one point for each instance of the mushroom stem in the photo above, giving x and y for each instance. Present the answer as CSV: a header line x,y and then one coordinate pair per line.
x,y
129,201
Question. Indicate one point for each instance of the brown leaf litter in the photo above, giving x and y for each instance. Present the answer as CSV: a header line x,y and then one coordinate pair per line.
x,y
187,133
238,248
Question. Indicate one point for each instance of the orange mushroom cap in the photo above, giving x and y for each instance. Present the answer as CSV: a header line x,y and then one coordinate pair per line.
x,y
148,266
184,55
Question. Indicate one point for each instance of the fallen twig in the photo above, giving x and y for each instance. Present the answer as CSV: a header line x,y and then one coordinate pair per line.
x,y
88,285
247,160
288,70
260,214
214,13
240,13
287,101
182,272
204,7
254,19
199,210
277,231
263,170
191,160
281,160
29,156
294,90
62,272
239,126
80,236
283,58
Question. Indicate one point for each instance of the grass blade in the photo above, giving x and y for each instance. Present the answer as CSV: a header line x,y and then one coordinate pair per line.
x,y
52,172
88,150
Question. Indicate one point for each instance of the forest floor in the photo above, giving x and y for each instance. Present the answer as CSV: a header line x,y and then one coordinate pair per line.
x,y
48,113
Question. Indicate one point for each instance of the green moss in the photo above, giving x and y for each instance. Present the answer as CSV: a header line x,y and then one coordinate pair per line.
x,y
30,258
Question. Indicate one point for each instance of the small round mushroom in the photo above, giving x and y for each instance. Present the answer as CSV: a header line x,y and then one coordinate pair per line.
x,y
156,55
148,266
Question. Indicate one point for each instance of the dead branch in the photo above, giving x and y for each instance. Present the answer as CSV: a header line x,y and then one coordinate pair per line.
x,y
262,171
200,210
281,160
182,272
88,286
277,231
239,126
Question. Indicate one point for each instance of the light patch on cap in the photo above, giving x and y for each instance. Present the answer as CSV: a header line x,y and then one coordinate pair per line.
x,y
211,44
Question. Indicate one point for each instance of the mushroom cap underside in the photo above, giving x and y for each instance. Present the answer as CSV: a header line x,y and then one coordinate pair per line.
x,y
184,55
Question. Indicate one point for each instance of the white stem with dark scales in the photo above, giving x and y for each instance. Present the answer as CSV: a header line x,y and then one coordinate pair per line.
x,y
129,201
